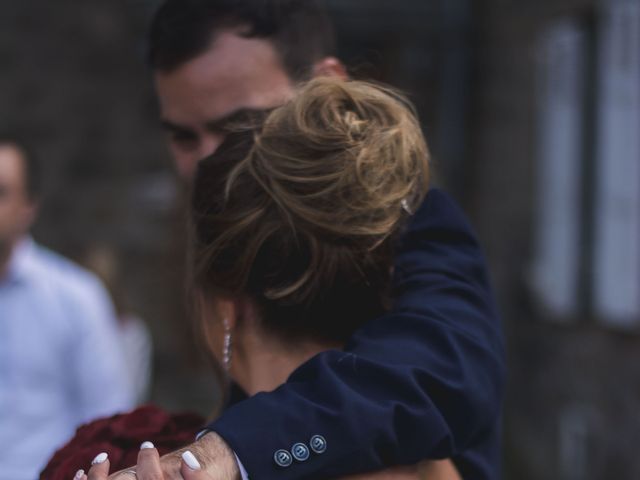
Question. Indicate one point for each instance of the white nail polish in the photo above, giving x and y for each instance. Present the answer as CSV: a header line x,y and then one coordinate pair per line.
x,y
146,445
191,461
100,458
79,475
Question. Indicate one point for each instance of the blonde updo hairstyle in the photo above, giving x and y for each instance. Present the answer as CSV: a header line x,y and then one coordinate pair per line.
x,y
300,213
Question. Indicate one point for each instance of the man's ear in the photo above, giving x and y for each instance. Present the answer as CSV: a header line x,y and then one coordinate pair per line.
x,y
330,67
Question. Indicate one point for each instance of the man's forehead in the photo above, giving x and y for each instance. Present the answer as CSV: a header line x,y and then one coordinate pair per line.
x,y
232,54
235,73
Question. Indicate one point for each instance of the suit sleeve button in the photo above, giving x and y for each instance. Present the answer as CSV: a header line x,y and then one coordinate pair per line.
x,y
318,444
283,458
300,452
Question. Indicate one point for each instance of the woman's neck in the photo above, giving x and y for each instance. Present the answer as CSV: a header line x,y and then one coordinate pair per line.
x,y
261,363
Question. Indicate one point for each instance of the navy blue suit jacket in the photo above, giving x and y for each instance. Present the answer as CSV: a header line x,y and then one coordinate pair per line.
x,y
424,381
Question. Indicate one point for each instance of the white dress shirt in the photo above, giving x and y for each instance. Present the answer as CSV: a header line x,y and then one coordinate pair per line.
x,y
60,360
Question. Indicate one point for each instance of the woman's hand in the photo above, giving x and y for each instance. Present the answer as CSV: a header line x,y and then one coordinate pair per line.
x,y
99,469
207,459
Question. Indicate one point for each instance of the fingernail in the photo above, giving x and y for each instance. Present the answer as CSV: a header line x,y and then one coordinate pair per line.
x,y
191,461
100,458
79,475
146,445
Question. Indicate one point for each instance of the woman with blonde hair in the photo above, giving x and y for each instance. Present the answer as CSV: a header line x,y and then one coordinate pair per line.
x,y
294,228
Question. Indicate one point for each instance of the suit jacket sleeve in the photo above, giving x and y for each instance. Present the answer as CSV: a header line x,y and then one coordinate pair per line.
x,y
423,381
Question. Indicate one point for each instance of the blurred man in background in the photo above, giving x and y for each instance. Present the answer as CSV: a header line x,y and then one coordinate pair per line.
x,y
60,363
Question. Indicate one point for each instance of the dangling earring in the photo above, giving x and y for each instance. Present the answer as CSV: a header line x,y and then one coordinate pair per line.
x,y
226,351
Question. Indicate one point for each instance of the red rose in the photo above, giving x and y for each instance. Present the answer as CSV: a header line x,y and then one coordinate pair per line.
x,y
120,436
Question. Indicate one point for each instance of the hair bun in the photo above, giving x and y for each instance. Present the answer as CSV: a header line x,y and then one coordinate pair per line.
x,y
355,124
329,178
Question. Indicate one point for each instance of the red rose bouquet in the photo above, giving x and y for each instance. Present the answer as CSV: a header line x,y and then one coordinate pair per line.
x,y
120,436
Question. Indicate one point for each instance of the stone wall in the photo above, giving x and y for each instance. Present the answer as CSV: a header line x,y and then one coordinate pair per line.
x,y
573,388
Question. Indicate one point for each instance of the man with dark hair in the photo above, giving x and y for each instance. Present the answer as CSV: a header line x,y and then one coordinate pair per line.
x,y
59,365
215,60
300,31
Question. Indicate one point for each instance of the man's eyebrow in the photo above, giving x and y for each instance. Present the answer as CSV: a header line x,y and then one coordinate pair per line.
x,y
241,116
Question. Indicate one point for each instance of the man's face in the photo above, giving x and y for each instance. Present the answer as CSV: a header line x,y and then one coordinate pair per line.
x,y
16,207
201,97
